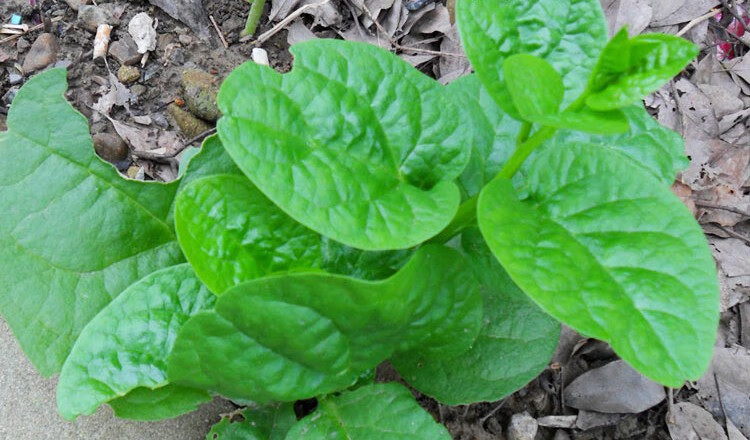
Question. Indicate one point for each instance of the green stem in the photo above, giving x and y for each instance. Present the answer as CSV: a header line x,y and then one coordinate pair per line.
x,y
524,133
465,215
523,151
253,18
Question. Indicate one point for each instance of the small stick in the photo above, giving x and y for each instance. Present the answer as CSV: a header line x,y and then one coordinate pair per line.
x,y
282,24
733,234
492,412
218,31
696,21
722,207
33,28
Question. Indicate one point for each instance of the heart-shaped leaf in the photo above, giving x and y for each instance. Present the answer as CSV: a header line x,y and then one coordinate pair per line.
x,y
353,143
266,423
125,347
604,247
307,334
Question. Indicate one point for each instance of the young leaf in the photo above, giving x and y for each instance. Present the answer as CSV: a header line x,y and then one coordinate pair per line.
x,y
537,92
231,233
266,423
515,343
569,34
166,402
73,233
383,411
353,143
312,333
125,347
604,247
629,69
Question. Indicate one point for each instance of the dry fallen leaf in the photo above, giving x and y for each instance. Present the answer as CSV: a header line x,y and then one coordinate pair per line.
x,y
691,422
730,368
635,14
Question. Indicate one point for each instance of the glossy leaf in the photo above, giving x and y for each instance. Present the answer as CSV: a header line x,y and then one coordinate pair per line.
x,y
382,411
125,347
161,403
266,423
307,334
231,233
630,69
73,233
515,343
656,148
604,247
537,92
353,143
569,34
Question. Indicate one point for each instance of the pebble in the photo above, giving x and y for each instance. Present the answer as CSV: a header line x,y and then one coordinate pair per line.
x,y
125,52
200,94
63,64
110,147
128,74
10,95
92,16
138,90
22,45
522,427
188,124
42,53
15,78
76,4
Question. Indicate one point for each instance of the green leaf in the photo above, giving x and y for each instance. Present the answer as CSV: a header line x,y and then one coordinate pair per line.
x,y
384,411
231,233
306,334
266,423
569,34
537,92
656,148
125,347
161,403
73,233
604,247
630,69
493,132
515,343
353,143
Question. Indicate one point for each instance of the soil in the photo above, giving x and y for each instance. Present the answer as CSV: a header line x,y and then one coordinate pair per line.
x,y
178,49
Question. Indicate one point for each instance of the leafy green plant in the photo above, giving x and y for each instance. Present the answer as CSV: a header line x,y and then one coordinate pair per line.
x,y
355,211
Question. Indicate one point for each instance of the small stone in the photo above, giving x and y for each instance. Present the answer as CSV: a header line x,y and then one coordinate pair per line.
x,y
76,4
200,94
92,16
63,64
42,53
185,40
138,90
188,124
10,95
110,147
522,427
15,78
128,74
22,45
125,52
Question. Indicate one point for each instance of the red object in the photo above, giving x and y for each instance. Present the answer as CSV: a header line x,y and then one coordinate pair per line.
x,y
725,49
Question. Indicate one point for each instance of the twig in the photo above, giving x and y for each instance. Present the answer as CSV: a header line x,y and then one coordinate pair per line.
x,y
733,234
218,31
492,412
670,404
722,207
166,157
282,24
696,21
31,29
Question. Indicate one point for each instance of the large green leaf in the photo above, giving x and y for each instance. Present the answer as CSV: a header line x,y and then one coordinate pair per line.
x,y
231,233
630,69
73,233
382,411
125,347
148,404
266,423
659,150
569,34
603,246
515,343
300,335
353,143
537,91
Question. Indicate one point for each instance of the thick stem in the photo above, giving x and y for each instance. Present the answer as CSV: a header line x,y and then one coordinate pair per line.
x,y
465,215
253,18
524,133
523,151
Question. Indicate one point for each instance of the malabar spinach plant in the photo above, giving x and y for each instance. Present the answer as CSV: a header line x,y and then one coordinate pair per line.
x,y
355,211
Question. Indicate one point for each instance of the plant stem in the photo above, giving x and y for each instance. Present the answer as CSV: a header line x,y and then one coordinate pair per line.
x,y
522,152
523,134
466,214
253,18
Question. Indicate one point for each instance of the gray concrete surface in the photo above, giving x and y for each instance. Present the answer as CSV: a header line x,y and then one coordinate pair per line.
x,y
28,410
